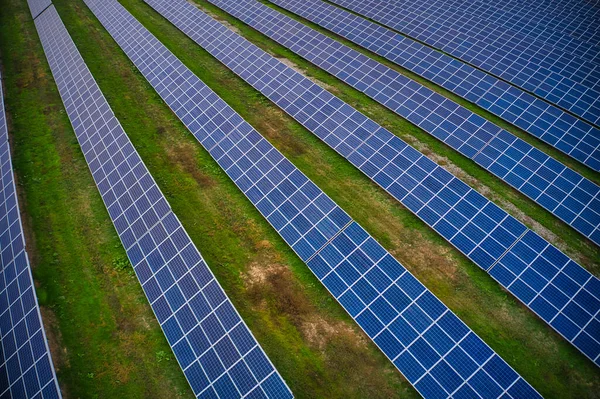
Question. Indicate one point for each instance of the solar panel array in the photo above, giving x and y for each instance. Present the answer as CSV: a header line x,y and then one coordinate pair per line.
x,y
574,18
473,224
562,191
26,368
547,80
217,352
561,130
532,24
490,32
438,353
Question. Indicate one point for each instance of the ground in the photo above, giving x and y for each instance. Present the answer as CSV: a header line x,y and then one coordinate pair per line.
x,y
104,338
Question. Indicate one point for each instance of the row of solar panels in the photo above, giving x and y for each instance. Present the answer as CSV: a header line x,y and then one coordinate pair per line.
x,y
569,32
521,261
367,281
26,368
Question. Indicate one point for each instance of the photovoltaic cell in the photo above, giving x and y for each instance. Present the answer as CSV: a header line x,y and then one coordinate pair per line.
x,y
474,225
214,347
562,191
561,130
26,368
368,269
551,80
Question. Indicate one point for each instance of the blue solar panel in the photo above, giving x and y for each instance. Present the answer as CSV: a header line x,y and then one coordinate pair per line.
x,y
541,26
26,368
563,131
37,6
549,79
376,273
474,225
527,169
212,344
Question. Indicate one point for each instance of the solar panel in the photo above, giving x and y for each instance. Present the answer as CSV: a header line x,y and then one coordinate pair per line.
x,y
527,169
26,368
438,353
473,224
541,26
561,130
531,73
214,347
37,6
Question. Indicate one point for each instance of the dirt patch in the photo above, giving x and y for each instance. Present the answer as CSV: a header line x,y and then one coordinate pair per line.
x,y
185,155
60,356
290,64
259,274
287,297
319,332
426,257
221,20
273,126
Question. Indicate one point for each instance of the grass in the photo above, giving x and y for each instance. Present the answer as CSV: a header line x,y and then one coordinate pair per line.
x,y
98,308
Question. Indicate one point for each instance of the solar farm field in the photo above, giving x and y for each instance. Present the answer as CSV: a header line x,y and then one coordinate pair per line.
x,y
227,199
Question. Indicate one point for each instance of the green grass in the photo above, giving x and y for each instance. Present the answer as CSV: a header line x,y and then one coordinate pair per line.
x,y
100,314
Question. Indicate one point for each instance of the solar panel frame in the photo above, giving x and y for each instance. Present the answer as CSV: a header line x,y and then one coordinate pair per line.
x,y
199,321
136,42
572,136
535,78
541,178
474,225
26,368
